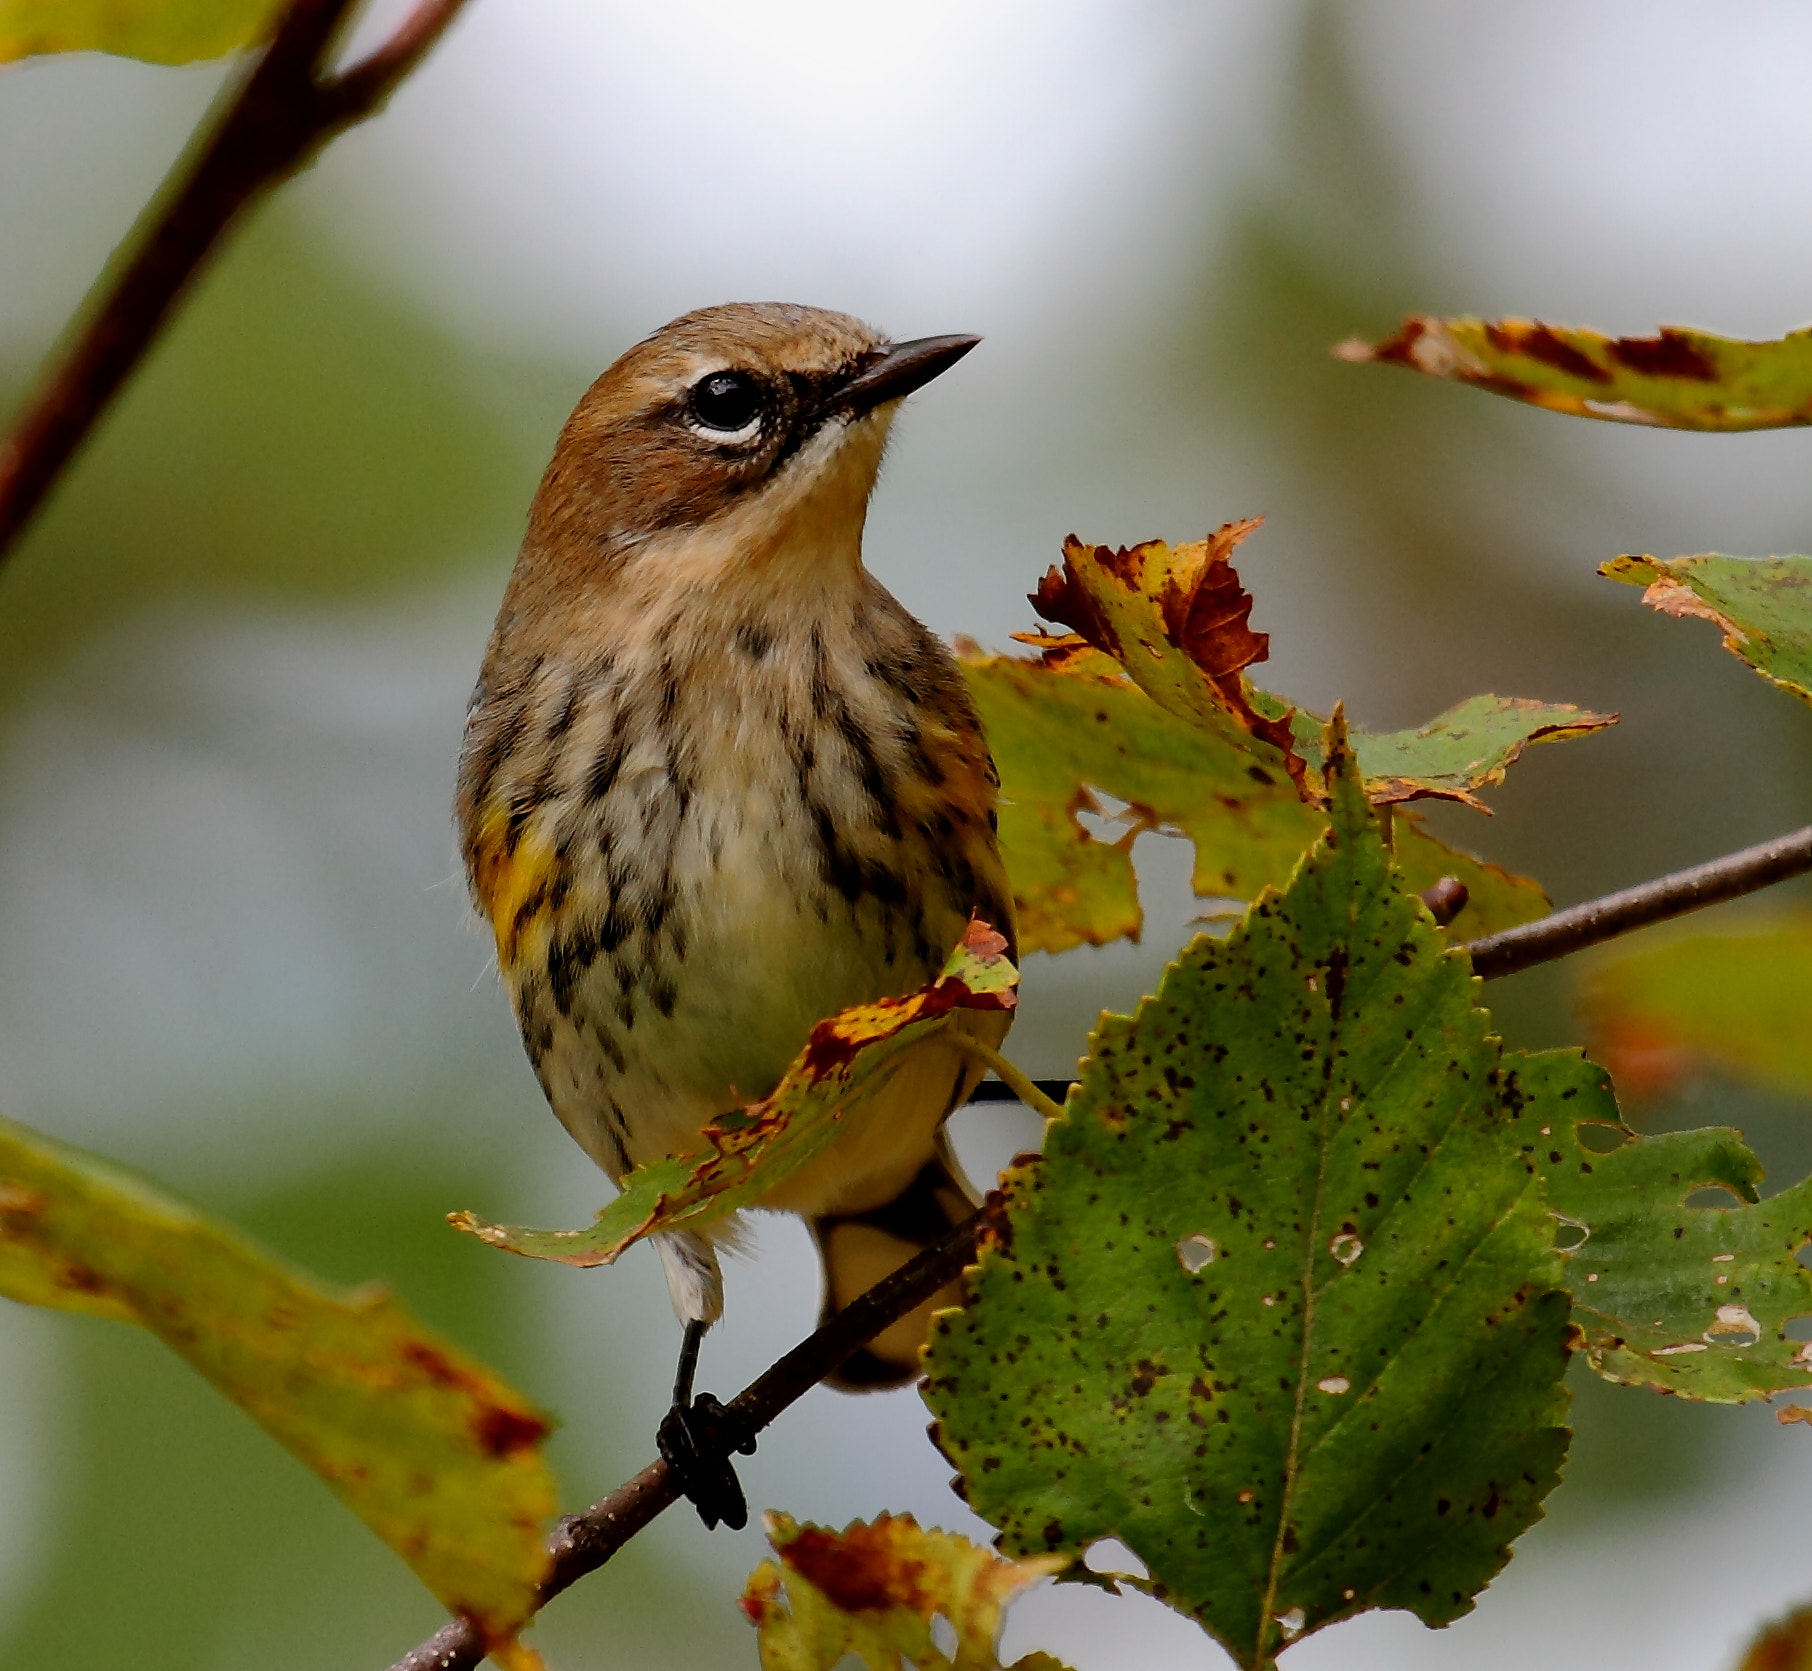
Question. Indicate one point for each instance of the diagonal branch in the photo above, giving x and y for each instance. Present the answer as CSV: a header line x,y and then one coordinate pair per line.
x,y
1579,926
582,1543
280,113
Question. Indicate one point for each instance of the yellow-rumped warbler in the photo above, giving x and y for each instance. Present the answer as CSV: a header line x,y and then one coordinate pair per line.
x,y
717,784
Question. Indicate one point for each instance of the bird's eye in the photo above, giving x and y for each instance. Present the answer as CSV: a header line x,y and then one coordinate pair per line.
x,y
726,404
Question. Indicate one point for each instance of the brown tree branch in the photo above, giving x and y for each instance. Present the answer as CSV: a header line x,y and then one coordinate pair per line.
x,y
282,110
582,1543
1572,930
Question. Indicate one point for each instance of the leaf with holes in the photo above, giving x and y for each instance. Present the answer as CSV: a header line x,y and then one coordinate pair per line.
x,y
1679,379
1070,725
158,31
879,1592
431,1450
1280,1307
1736,1003
845,1061
1670,1292
1762,605
1177,620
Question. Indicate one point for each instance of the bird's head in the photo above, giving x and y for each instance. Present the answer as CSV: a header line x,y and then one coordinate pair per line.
x,y
733,439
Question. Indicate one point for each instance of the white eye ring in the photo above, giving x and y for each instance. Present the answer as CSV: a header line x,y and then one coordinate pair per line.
x,y
725,437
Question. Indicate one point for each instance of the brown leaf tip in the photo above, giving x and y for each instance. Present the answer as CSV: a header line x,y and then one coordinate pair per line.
x,y
983,941
1062,598
863,1569
1208,611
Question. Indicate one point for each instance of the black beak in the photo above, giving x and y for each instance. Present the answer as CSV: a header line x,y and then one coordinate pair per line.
x,y
899,370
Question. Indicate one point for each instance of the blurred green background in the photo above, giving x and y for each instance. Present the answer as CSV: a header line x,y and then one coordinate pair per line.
x,y
234,657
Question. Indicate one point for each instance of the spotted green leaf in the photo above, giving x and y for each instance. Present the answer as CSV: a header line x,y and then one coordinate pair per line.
x,y
1679,379
1689,1299
1279,1307
873,1591
847,1059
158,31
1762,605
430,1449
1067,727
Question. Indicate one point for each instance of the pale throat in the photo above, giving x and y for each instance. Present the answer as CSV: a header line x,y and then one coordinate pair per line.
x,y
799,536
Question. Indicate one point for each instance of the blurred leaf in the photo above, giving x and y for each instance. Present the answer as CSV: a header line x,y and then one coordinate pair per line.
x,y
846,1060
1279,1307
297,434
1762,605
431,1450
1177,621
1688,1299
1782,1645
1072,723
1680,379
158,31
1737,1003
873,1591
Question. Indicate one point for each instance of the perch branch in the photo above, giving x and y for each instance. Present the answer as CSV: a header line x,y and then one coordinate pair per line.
x,y
284,107
582,1543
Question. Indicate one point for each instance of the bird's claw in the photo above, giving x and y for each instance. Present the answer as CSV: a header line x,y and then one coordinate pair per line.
x,y
696,1440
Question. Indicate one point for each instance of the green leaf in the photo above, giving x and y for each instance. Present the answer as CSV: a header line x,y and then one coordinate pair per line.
x,y
1468,748
1279,1307
1738,1002
846,1060
1688,1299
1762,605
158,31
430,1449
1070,724
1178,623
874,1590
1680,379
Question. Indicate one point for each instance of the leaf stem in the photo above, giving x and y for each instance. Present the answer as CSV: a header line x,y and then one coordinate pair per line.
x,y
1025,1089
274,119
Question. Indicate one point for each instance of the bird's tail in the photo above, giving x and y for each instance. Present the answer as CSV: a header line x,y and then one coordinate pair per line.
x,y
861,1249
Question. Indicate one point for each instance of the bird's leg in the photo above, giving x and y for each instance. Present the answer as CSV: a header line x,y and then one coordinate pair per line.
x,y
696,1438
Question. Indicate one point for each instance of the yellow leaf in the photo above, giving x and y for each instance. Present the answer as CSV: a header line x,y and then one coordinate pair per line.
x,y
875,1590
430,1449
1070,724
158,31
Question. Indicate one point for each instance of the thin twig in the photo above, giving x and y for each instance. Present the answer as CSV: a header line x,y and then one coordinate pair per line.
x,y
582,1543
1579,926
279,114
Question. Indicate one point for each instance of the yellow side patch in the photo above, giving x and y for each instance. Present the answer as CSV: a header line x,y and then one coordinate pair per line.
x,y
512,883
